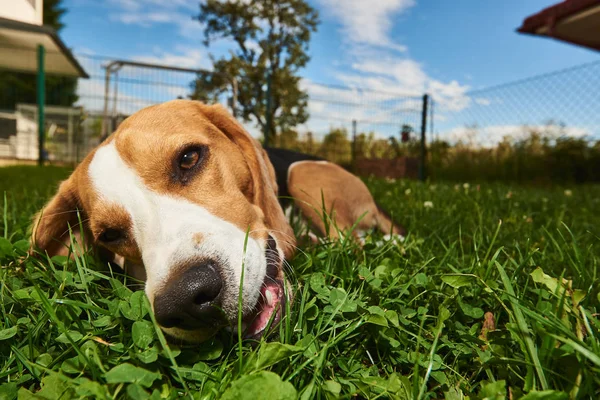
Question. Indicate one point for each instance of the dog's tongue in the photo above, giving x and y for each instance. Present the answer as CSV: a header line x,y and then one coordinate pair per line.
x,y
270,293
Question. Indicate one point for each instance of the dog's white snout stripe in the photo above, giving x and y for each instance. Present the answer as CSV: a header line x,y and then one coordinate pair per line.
x,y
165,229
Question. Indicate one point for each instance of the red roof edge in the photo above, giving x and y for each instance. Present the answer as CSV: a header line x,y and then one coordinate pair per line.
x,y
555,13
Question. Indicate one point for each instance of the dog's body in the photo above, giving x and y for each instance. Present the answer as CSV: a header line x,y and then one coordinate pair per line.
x,y
185,199
282,160
332,200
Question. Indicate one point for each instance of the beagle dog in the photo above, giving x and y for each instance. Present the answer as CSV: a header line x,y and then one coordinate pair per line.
x,y
183,198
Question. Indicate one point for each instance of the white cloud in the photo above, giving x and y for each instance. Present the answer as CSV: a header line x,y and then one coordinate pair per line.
x,y
190,28
136,5
482,101
404,76
380,112
187,27
85,51
373,59
147,13
368,22
451,96
487,136
185,57
143,19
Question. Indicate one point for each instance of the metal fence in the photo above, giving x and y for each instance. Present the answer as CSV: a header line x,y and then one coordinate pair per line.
x,y
348,125
543,128
96,106
565,102
345,124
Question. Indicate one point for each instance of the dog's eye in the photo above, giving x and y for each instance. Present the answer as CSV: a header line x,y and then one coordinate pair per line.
x,y
189,159
188,162
110,235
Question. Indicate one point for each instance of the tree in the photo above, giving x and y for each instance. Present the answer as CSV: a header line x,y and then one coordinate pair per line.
x,y
20,87
336,147
288,139
271,39
53,12
362,144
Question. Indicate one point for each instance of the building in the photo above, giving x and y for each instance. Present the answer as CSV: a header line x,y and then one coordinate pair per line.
x,y
572,21
26,45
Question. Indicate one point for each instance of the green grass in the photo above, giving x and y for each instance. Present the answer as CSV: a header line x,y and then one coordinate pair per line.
x,y
385,321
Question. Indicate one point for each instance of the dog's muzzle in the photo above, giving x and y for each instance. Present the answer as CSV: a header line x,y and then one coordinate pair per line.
x,y
193,301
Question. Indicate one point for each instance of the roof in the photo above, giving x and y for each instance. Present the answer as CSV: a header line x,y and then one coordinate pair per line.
x,y
18,44
573,21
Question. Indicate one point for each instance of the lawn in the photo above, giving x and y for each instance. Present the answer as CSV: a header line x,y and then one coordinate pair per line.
x,y
494,294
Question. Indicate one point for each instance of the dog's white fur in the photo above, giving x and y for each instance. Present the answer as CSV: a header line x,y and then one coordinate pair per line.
x,y
164,227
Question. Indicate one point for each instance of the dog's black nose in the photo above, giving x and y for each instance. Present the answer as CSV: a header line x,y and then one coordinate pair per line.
x,y
190,301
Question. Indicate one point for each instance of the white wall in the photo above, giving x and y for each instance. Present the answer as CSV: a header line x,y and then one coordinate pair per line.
x,y
29,11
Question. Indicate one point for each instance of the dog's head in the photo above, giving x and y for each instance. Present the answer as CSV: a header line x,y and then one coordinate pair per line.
x,y
187,199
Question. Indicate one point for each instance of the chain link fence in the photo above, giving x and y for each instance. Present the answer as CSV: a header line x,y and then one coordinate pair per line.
x,y
544,129
346,125
80,112
512,131
371,131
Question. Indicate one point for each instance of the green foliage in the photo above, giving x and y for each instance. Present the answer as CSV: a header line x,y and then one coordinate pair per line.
x,y
271,39
18,87
53,13
400,320
541,157
336,146
262,385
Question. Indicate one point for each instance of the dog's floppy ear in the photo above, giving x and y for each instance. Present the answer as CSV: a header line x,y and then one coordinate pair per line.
x,y
50,230
263,175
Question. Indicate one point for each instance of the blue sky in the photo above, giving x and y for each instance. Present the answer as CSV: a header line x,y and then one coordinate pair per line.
x,y
447,48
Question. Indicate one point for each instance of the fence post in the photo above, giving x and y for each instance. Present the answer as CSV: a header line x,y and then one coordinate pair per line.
x,y
41,100
268,119
109,70
104,129
353,160
234,95
115,100
423,135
